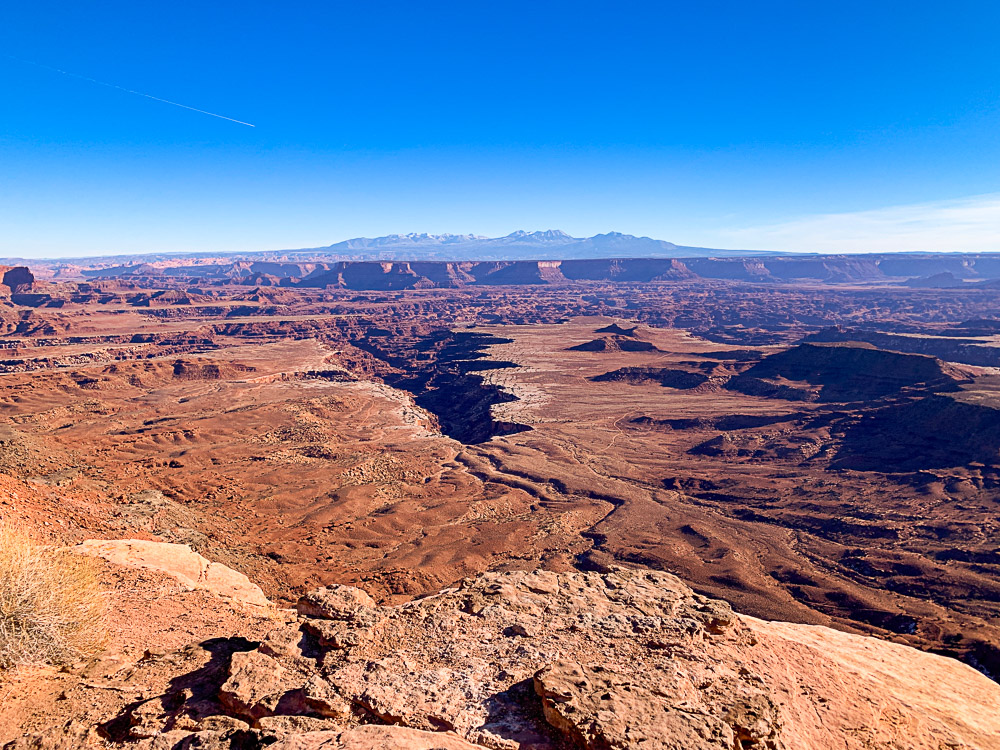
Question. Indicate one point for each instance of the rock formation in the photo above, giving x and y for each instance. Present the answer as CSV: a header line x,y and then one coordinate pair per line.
x,y
613,344
180,562
844,372
16,278
533,661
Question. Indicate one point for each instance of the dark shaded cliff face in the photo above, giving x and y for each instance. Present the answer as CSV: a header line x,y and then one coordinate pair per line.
x,y
939,431
632,270
441,370
462,404
17,278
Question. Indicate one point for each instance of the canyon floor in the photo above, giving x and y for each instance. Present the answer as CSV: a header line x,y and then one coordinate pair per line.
x,y
820,454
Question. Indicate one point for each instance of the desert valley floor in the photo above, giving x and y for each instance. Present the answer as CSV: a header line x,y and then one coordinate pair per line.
x,y
820,452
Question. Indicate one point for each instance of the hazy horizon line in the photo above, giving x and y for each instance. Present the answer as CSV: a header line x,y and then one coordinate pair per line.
x,y
962,225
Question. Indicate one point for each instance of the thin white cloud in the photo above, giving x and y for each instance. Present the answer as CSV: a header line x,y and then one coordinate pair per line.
x,y
965,224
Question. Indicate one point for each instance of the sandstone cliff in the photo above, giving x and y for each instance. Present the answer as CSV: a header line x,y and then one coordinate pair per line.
x,y
16,279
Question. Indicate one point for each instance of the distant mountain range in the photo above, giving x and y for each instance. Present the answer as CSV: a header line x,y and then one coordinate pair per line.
x,y
551,256
551,244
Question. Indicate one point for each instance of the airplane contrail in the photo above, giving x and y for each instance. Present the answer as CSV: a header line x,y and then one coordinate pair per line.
x,y
128,91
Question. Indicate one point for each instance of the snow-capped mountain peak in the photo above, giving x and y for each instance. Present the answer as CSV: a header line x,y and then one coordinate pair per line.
x,y
552,244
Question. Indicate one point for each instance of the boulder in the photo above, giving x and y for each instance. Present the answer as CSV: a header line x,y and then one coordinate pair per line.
x,y
338,603
181,562
372,737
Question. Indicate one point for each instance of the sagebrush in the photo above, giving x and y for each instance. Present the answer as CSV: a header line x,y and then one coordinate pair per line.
x,y
52,609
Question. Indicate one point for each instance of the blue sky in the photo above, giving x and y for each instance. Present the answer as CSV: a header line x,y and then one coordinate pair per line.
x,y
776,125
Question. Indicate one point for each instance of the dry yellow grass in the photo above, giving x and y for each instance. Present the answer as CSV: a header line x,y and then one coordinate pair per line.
x,y
52,609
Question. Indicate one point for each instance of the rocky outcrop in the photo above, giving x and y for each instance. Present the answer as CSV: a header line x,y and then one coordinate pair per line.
x,y
614,344
943,280
181,562
844,372
617,330
17,279
539,661
665,376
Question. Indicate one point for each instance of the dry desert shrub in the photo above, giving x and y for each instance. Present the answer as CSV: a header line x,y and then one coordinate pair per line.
x,y
52,609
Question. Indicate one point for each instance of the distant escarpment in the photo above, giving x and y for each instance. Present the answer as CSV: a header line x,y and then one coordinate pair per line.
x,y
845,372
397,275
965,272
418,275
